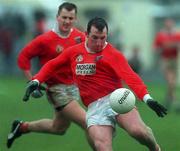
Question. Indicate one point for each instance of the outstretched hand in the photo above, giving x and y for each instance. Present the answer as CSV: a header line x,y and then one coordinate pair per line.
x,y
160,110
37,93
32,85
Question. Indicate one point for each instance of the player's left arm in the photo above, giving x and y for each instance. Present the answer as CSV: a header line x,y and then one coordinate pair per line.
x,y
137,85
160,110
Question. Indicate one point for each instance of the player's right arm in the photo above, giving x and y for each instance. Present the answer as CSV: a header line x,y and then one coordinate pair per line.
x,y
45,73
53,66
28,74
31,50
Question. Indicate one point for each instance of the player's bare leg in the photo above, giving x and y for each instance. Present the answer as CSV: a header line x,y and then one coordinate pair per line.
x,y
157,148
101,136
58,126
133,124
74,112
61,122
170,76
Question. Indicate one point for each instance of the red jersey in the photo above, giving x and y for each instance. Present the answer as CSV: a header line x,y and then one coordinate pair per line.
x,y
96,74
46,47
164,38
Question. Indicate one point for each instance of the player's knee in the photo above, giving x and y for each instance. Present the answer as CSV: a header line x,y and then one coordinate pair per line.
x,y
83,125
145,133
149,131
102,145
140,131
60,129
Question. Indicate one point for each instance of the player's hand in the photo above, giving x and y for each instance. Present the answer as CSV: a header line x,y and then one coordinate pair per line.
x,y
38,92
32,85
42,87
160,110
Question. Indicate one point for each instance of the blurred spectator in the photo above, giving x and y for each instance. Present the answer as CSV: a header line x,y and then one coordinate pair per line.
x,y
19,24
6,42
134,60
115,38
166,46
12,28
39,17
40,22
20,32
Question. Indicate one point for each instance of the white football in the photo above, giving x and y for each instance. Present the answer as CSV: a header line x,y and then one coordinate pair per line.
x,y
122,100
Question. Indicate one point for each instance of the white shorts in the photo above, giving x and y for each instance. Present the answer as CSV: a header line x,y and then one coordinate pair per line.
x,y
100,113
61,94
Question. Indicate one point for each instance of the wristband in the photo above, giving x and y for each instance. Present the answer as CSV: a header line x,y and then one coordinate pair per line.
x,y
36,80
146,97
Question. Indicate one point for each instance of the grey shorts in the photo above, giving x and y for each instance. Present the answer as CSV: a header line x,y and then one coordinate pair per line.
x,y
100,113
61,94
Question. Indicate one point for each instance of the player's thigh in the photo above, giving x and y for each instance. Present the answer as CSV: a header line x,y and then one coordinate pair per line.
x,y
101,133
130,121
74,112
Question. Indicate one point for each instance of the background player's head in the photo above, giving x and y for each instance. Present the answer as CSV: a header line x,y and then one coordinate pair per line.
x,y
97,30
169,24
66,17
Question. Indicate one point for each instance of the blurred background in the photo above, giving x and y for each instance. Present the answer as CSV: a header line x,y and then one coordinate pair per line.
x,y
132,23
132,26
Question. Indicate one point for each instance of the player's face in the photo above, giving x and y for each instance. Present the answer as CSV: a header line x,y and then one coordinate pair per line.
x,y
96,39
169,23
66,20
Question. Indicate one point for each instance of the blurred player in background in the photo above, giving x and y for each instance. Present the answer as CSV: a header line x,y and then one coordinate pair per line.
x,y
166,43
98,69
61,92
134,60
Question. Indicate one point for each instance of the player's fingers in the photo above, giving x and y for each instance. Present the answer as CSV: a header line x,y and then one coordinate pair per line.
x,y
158,111
26,95
162,109
160,114
42,87
25,98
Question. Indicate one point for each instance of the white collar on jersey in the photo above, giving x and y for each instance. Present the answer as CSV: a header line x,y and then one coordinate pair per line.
x,y
89,50
56,30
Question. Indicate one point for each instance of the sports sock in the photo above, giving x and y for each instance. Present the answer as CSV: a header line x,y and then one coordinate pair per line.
x,y
24,127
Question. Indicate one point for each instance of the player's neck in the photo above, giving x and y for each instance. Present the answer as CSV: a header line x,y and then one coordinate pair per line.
x,y
61,33
64,34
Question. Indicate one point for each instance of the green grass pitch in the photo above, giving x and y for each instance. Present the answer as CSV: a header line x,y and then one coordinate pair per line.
x,y
165,129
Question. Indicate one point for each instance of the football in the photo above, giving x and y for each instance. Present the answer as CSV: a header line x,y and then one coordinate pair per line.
x,y
36,94
122,100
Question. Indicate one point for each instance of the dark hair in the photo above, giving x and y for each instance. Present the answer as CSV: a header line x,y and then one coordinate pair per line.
x,y
68,6
97,22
